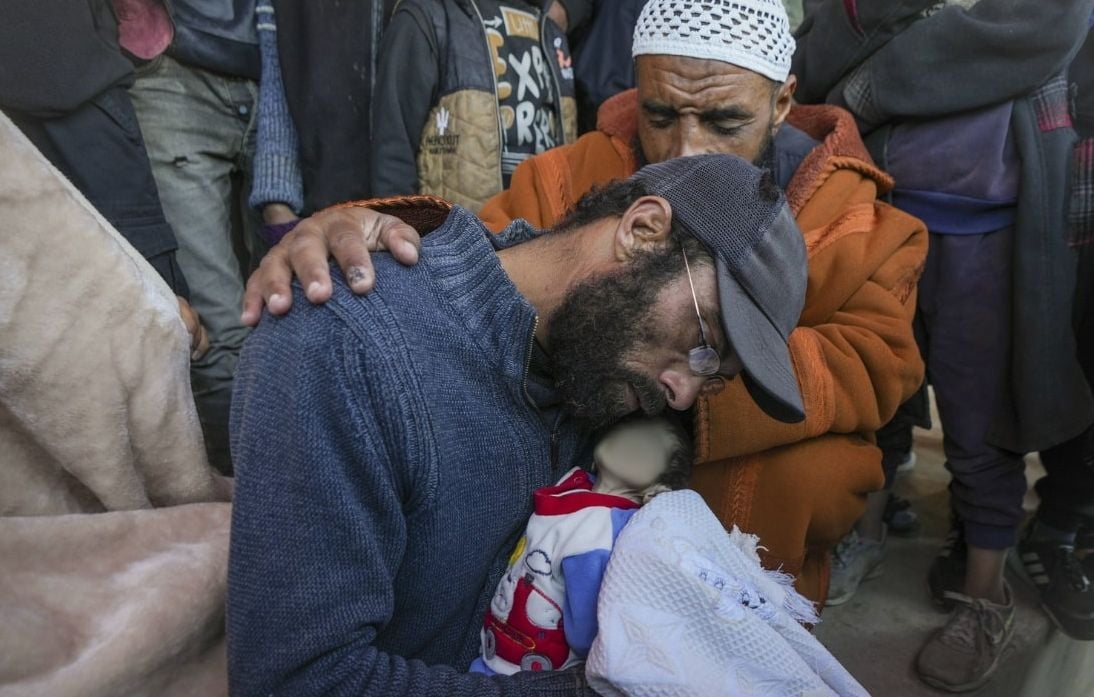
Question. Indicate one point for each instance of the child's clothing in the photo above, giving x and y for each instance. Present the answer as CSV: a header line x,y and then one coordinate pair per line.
x,y
543,616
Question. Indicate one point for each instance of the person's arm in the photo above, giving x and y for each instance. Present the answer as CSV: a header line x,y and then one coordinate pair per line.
x,y
838,35
406,86
960,59
856,357
603,66
319,523
349,234
568,14
277,190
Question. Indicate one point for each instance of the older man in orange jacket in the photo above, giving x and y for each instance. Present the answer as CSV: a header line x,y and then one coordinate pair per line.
x,y
799,486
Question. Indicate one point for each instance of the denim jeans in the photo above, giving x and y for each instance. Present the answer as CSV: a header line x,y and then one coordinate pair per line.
x,y
200,131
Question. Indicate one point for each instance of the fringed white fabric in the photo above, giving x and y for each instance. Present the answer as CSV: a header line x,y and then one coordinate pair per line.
x,y
686,610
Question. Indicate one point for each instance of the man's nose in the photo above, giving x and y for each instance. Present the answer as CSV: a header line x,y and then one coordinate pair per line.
x,y
683,388
688,141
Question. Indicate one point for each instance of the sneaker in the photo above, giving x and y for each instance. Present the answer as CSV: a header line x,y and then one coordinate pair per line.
x,y
854,560
899,517
1067,594
947,573
907,463
1084,549
962,655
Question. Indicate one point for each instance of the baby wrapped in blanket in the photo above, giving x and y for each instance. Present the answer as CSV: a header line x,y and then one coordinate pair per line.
x,y
543,615
658,598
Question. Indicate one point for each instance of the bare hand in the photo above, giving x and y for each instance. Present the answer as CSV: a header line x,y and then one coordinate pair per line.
x,y
199,338
348,234
277,214
558,13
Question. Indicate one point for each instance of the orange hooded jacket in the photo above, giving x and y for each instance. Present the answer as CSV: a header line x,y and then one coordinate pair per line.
x,y
800,487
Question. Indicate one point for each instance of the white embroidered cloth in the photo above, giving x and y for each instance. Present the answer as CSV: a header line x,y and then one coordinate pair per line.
x,y
686,610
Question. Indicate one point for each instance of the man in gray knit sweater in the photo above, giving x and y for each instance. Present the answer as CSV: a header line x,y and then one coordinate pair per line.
x,y
388,445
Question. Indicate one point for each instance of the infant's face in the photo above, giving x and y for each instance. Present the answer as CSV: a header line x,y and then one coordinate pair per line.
x,y
636,454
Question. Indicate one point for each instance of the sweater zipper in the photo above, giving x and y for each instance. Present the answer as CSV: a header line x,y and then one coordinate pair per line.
x,y
555,77
552,440
553,446
497,111
528,363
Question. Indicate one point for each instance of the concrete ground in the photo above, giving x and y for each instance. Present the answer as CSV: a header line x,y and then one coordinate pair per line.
x,y
878,633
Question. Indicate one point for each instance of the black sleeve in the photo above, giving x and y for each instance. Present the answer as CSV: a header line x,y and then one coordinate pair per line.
x,y
168,268
57,54
406,87
603,66
960,59
578,11
837,36
118,181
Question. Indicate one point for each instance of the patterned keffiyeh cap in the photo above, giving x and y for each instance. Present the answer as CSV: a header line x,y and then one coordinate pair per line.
x,y
751,34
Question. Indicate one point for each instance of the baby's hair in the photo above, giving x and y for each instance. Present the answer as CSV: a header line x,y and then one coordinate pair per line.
x,y
678,472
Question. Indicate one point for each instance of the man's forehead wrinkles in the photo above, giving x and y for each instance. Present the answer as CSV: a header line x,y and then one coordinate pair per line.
x,y
689,98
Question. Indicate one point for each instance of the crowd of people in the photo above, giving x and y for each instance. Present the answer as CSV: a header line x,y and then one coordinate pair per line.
x,y
783,221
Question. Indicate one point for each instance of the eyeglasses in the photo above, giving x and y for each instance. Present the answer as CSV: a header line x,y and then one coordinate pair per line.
x,y
703,360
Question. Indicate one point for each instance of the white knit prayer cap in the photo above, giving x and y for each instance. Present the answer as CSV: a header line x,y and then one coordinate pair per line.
x,y
751,34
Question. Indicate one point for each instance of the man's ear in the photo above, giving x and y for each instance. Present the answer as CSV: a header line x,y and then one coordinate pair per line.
x,y
644,226
783,99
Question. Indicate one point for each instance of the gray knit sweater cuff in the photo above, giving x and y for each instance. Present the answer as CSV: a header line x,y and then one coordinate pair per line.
x,y
563,683
277,177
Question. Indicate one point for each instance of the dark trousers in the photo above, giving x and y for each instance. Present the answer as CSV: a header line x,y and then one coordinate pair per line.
x,y
896,438
100,149
1067,490
963,327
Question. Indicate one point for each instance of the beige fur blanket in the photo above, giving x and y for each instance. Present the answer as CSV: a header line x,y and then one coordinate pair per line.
x,y
96,411
112,563
125,604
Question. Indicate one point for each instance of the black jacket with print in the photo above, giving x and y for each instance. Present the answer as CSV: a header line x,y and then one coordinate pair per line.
x,y
435,117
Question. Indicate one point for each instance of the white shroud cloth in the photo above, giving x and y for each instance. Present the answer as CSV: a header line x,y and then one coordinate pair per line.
x,y
686,609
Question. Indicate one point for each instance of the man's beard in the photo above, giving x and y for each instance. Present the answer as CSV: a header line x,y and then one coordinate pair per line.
x,y
600,324
765,160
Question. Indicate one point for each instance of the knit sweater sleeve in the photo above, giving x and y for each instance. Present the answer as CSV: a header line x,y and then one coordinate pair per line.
x,y
277,175
319,522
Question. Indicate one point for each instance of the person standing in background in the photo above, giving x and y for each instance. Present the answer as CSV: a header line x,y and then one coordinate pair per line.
x,y
1064,522
196,105
466,91
64,83
966,104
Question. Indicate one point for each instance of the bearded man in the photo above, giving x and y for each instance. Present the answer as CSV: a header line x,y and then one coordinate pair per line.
x,y
714,77
388,446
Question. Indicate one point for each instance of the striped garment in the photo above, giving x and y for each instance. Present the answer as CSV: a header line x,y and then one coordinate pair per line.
x,y
1081,213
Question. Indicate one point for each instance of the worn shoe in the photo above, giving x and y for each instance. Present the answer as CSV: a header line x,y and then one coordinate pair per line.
x,y
854,560
899,516
907,463
1084,549
1067,594
947,572
962,655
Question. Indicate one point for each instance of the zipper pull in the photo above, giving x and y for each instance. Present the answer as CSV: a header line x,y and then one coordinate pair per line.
x,y
554,449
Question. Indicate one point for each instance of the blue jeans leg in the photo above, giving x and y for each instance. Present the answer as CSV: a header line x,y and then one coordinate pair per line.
x,y
199,128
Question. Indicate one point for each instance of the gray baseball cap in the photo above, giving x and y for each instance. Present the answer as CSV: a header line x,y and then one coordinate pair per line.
x,y
739,214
